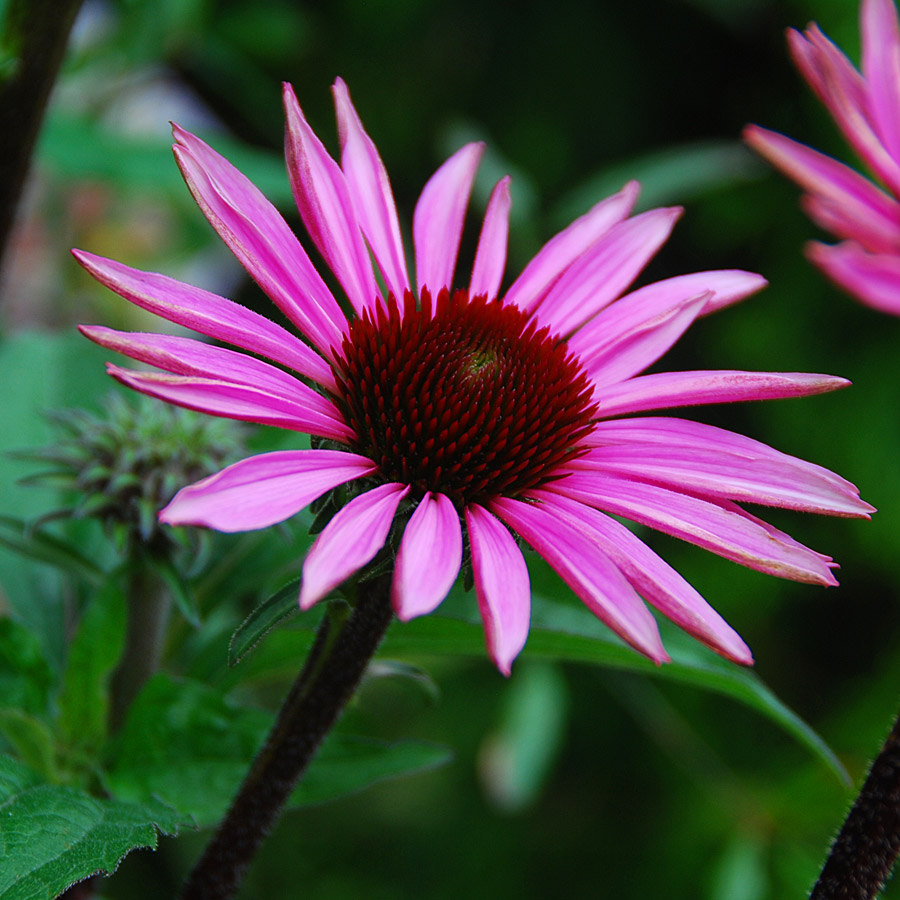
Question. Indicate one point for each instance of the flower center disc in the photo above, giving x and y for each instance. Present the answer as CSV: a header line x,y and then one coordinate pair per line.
x,y
462,396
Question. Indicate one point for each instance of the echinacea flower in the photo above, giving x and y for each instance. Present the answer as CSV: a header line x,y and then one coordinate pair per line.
x,y
866,107
465,416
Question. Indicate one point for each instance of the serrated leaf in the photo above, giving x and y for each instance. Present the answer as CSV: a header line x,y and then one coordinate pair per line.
x,y
53,836
280,606
191,747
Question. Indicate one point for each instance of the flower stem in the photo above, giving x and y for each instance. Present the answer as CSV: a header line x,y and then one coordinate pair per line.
x,y
865,850
343,648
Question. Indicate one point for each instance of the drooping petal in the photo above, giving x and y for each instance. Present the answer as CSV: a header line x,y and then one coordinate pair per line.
x,y
590,573
439,216
209,314
490,258
261,240
561,251
262,490
881,69
429,557
326,209
868,213
234,401
810,51
670,389
370,192
349,541
725,531
501,584
873,278
655,580
600,274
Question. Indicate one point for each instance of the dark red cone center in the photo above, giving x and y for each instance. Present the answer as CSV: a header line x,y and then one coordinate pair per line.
x,y
462,396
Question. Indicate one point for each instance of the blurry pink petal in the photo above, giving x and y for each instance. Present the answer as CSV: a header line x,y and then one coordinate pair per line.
x,y
873,213
261,240
669,389
727,532
265,489
490,258
502,586
655,580
429,557
209,314
349,541
881,69
370,192
811,51
601,273
234,401
637,334
439,216
561,251
874,278
591,574
326,209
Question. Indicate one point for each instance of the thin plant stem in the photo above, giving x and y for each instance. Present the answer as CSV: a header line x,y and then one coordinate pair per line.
x,y
865,850
344,645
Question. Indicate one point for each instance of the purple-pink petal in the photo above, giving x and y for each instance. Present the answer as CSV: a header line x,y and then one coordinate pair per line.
x,y
873,278
429,557
209,314
326,209
490,257
590,573
261,240
349,541
670,389
262,490
370,193
439,216
562,250
881,69
655,580
501,585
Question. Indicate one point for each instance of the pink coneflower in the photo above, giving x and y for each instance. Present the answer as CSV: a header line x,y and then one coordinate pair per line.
x,y
462,416
866,108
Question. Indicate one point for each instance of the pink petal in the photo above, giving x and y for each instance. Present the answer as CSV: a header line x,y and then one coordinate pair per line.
x,y
501,584
811,51
600,274
261,240
727,532
655,580
637,334
590,573
262,490
370,192
490,258
209,314
439,216
868,213
326,209
349,541
873,278
234,401
429,557
670,389
881,69
561,251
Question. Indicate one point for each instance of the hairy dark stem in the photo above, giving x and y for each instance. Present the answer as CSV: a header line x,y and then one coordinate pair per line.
x,y
33,43
864,852
342,650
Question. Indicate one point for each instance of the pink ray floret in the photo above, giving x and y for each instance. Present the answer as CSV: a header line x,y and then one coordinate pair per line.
x,y
866,107
457,422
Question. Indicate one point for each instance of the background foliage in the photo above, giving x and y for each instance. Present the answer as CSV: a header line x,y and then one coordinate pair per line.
x,y
570,777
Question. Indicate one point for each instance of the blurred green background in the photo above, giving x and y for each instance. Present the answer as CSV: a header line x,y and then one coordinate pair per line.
x,y
567,780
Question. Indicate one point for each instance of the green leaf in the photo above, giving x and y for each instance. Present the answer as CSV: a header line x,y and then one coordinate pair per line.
x,y
188,745
181,593
37,544
31,739
280,606
25,675
93,655
52,836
